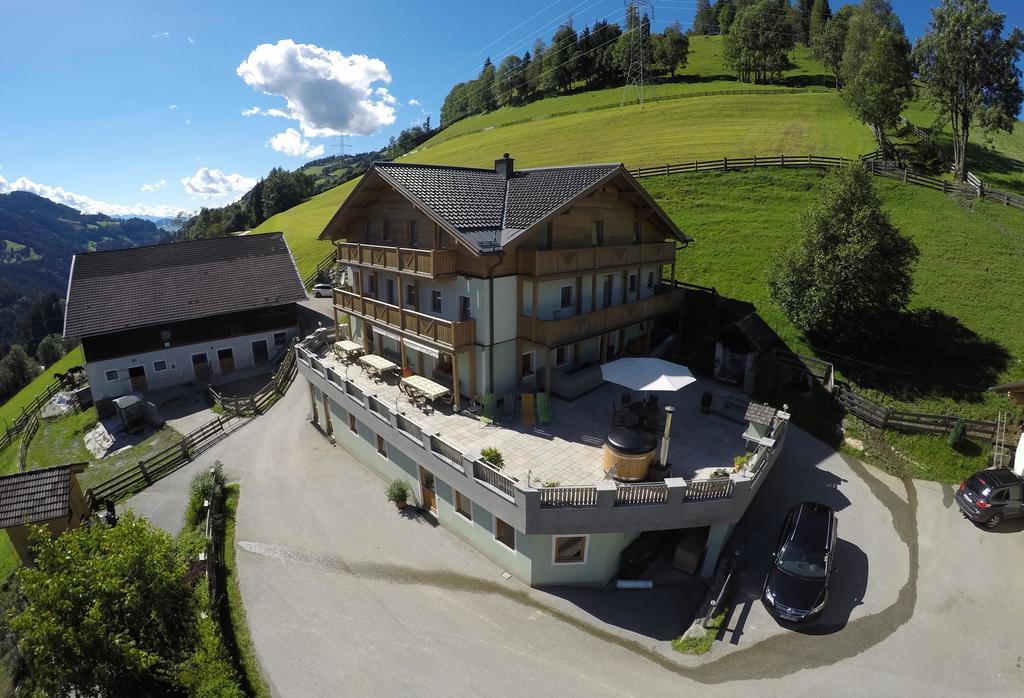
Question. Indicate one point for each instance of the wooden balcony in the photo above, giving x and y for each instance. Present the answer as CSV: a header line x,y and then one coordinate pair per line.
x,y
571,329
585,259
428,263
444,332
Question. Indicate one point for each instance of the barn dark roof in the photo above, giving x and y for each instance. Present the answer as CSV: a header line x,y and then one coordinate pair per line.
x,y
36,495
118,290
484,207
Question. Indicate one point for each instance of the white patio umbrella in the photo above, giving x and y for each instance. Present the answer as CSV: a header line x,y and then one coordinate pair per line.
x,y
639,373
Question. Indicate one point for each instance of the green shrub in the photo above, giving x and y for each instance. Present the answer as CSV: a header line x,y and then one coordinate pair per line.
x,y
208,671
493,456
203,485
399,491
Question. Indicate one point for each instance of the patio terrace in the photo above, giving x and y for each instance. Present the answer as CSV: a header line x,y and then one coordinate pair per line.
x,y
568,452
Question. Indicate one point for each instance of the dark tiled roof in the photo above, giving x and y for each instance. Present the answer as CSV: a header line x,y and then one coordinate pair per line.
x,y
758,332
35,496
122,289
486,209
759,414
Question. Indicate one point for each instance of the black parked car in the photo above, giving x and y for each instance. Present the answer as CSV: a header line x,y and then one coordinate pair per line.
x,y
796,587
990,496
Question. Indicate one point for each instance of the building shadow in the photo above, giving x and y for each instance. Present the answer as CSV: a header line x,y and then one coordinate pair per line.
x,y
925,353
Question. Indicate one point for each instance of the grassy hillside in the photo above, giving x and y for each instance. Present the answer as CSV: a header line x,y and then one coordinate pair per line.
x,y
10,410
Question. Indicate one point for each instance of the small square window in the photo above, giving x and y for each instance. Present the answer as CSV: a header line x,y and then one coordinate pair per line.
x,y
353,427
280,338
463,505
159,365
570,550
382,446
111,375
504,534
435,301
566,299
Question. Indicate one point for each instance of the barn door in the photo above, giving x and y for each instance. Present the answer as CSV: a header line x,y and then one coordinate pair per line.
x,y
226,357
138,376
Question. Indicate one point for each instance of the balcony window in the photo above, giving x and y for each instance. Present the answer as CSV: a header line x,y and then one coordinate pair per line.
x,y
372,281
464,308
435,301
650,280
389,291
504,534
410,295
570,550
414,235
632,283
527,365
386,231
597,233
561,356
567,301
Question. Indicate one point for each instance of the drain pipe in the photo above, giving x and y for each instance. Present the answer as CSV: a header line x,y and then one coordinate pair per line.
x,y
490,322
665,438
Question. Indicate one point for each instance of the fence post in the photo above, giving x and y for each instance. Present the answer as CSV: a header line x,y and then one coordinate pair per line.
x,y
905,176
184,449
755,161
142,470
725,164
782,160
945,187
666,169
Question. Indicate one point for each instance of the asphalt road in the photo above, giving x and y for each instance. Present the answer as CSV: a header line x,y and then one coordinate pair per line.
x,y
345,596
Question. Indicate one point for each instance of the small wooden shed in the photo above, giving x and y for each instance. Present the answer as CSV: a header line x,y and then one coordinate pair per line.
x,y
1014,391
50,496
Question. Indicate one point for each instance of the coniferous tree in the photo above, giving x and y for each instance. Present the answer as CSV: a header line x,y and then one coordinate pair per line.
x,y
482,98
563,57
704,21
585,60
820,13
804,9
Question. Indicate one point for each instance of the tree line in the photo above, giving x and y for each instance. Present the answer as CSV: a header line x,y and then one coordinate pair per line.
x,y
595,57
962,66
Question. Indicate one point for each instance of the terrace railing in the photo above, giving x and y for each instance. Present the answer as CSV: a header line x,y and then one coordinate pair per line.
x,y
569,496
641,493
489,475
705,490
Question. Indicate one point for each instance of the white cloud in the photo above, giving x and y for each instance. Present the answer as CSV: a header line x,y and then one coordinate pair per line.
x,y
414,103
291,142
190,39
84,203
155,185
328,93
209,183
188,120
160,35
251,111
172,107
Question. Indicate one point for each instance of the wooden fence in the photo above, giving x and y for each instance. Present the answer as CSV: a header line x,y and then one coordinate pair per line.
x,y
262,399
158,466
27,413
875,162
324,264
26,439
641,493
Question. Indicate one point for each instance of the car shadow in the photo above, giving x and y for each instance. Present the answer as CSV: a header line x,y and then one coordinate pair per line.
x,y
1007,526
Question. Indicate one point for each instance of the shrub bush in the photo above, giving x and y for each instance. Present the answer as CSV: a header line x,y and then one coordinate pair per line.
x,y
399,491
493,456
958,434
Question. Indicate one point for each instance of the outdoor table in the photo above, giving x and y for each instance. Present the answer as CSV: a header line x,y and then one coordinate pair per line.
x,y
425,387
347,347
377,365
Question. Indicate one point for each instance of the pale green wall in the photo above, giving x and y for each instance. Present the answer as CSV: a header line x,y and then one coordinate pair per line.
x,y
602,559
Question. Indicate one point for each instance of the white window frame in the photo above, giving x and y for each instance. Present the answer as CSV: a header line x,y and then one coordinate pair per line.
x,y
455,504
117,375
586,549
515,534
378,441
157,369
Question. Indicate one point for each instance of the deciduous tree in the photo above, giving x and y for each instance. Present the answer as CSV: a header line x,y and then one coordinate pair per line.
x,y
883,85
830,41
820,13
109,612
671,48
969,71
852,273
758,42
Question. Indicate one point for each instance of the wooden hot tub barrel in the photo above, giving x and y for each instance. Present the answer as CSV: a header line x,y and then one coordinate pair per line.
x,y
628,454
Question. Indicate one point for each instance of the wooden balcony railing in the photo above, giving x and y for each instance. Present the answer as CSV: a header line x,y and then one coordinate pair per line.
x,y
545,262
430,263
552,332
444,332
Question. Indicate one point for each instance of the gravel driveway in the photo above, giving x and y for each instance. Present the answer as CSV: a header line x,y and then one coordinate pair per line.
x,y
346,596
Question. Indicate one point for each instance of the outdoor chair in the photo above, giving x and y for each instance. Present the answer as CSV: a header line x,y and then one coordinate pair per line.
x,y
544,408
487,410
526,413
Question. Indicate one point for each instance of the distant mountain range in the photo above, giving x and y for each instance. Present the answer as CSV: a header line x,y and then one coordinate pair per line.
x,y
168,224
38,238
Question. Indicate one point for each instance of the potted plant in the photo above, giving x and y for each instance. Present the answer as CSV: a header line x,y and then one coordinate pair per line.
x,y
739,462
493,457
705,402
399,492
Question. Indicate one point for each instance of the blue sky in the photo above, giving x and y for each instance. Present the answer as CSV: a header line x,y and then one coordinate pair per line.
x,y
138,106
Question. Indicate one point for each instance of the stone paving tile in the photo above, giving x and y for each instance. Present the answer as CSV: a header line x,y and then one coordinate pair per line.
x,y
570,450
